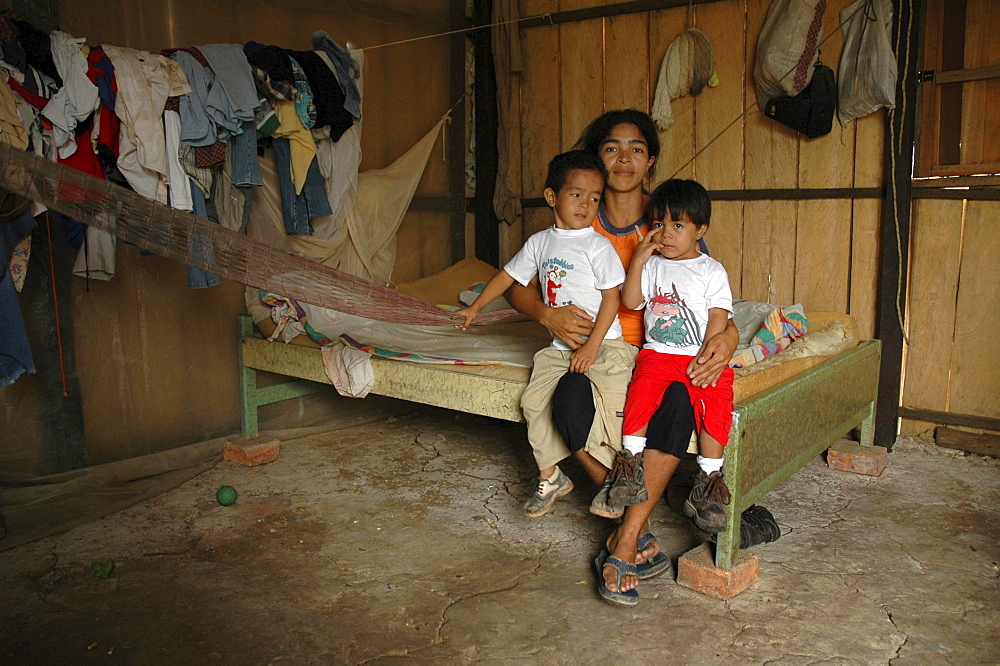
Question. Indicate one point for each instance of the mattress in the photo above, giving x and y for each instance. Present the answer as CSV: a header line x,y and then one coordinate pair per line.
x,y
494,390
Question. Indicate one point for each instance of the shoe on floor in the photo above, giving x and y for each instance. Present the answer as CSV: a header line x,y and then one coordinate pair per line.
x,y
705,503
628,480
546,493
601,506
757,526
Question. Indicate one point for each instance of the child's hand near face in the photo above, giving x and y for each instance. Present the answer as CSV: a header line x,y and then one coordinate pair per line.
x,y
583,357
470,315
647,245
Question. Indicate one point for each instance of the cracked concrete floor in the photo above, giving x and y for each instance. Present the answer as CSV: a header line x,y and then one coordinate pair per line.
x,y
404,539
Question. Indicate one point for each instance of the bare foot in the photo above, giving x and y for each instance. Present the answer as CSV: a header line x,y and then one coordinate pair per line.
x,y
651,550
624,549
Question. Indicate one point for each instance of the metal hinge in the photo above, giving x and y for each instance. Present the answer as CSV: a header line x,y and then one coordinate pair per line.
x,y
925,75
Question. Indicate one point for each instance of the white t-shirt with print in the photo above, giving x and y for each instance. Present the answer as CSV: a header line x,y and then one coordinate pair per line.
x,y
677,296
572,265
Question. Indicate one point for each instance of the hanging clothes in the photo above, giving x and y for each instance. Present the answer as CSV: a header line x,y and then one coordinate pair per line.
x,y
345,66
145,81
327,94
197,128
77,99
232,98
15,351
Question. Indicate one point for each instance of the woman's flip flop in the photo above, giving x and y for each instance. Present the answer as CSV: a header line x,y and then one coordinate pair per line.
x,y
656,565
627,599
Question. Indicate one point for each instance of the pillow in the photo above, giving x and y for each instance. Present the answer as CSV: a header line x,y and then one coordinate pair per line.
x,y
473,290
748,317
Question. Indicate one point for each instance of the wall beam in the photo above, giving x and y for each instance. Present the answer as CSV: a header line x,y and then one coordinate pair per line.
x,y
605,11
894,231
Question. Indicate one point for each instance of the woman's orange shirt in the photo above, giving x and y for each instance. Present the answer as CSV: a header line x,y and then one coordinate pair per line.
x,y
633,329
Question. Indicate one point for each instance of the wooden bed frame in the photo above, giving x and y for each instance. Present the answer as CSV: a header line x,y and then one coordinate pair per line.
x,y
775,432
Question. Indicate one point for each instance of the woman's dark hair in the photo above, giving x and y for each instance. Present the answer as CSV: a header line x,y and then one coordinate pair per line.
x,y
563,163
601,127
679,197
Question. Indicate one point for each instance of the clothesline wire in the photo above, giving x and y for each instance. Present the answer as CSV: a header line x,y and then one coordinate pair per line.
x,y
457,31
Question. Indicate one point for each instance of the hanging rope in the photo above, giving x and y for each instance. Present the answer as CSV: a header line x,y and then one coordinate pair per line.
x,y
902,39
55,305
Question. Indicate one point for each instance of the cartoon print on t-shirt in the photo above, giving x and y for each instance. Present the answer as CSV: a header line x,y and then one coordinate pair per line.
x,y
675,324
555,271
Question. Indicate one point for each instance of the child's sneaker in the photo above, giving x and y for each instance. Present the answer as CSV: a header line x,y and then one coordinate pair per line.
x,y
546,494
601,505
628,480
704,504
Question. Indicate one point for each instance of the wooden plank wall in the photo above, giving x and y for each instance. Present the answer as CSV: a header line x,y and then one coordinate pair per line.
x,y
821,253
953,310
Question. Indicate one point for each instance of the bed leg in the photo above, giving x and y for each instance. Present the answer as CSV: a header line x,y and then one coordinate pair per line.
x,y
728,541
248,383
868,427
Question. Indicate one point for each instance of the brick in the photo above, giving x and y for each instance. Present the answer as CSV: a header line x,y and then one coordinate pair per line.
x,y
696,570
850,456
250,452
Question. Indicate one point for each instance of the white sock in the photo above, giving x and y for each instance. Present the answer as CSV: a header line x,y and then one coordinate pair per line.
x,y
554,476
709,465
634,443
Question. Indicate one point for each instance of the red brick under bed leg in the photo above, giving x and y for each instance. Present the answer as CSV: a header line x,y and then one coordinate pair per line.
x,y
250,452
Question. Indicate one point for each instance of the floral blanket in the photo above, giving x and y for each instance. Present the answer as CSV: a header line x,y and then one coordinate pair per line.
x,y
781,327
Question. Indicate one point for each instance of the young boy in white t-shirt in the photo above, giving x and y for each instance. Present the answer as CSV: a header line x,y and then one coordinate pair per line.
x,y
687,300
575,265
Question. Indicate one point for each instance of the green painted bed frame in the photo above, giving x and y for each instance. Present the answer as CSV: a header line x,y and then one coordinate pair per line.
x,y
775,432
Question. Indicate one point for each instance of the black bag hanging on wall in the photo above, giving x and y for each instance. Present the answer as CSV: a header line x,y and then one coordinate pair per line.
x,y
811,111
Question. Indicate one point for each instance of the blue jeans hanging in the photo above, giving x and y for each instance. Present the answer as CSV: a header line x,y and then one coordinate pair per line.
x,y
199,245
299,209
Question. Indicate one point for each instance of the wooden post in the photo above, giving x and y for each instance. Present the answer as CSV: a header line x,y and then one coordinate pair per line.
x,y
895,228
456,132
487,229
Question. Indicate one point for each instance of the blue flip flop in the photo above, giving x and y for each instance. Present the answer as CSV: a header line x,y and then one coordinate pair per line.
x,y
627,599
655,566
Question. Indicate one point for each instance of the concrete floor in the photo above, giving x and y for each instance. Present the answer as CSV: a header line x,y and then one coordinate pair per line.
x,y
403,539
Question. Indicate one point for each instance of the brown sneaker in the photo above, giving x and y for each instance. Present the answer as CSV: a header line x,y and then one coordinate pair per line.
x,y
628,480
705,503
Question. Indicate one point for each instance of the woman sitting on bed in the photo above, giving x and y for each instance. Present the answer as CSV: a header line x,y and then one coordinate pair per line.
x,y
627,142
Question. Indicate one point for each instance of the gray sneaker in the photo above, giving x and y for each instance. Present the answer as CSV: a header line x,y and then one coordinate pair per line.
x,y
705,505
628,479
546,493
600,506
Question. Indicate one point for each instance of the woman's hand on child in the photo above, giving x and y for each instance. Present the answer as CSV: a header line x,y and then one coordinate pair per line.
x,y
569,323
705,369
470,316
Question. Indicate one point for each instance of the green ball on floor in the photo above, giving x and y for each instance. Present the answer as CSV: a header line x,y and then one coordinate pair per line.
x,y
226,495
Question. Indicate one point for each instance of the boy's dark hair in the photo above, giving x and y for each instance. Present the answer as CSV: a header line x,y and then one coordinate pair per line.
x,y
678,197
601,127
563,163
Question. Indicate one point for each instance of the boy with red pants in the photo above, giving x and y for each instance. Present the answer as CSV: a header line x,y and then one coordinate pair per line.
x,y
687,300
